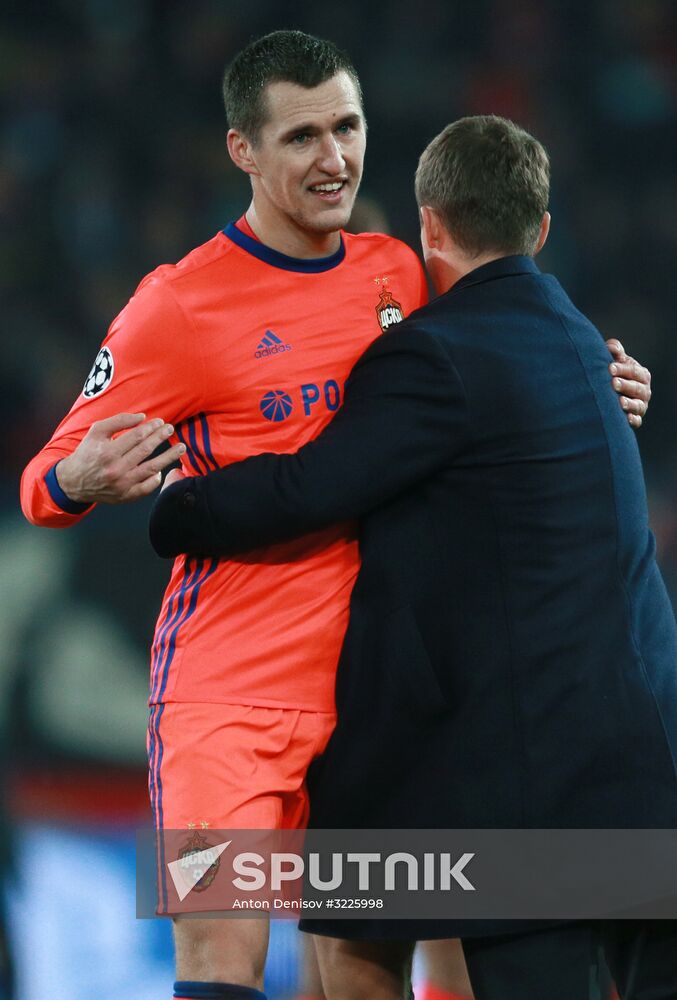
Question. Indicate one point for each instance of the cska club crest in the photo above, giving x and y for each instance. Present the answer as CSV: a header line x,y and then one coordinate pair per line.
x,y
199,861
388,310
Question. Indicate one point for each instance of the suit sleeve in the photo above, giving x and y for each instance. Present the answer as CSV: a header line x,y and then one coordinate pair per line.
x,y
404,418
148,352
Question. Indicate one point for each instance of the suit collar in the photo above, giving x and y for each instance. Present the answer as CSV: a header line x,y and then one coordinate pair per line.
x,y
501,268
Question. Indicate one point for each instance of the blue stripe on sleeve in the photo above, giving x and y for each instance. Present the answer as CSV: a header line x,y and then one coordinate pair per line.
x,y
60,498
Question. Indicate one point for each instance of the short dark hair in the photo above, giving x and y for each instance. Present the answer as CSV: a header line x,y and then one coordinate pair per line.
x,y
489,180
289,56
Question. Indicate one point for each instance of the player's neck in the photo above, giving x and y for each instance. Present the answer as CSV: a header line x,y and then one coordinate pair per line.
x,y
288,238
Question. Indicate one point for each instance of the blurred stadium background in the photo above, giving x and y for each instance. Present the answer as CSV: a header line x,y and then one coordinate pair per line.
x,y
112,161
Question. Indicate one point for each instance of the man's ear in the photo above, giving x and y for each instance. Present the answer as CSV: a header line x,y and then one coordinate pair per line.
x,y
432,228
241,151
543,234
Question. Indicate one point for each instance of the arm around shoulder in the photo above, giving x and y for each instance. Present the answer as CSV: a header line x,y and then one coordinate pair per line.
x,y
403,419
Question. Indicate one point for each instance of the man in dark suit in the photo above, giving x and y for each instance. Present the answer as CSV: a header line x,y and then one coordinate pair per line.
x,y
511,657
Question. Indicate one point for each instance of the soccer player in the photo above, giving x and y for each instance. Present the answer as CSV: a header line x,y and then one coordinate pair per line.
x,y
243,347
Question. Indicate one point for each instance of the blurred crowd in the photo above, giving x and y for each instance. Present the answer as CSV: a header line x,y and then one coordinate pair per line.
x,y
113,160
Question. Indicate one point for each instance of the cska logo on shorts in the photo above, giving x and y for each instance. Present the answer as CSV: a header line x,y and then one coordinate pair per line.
x,y
388,310
199,861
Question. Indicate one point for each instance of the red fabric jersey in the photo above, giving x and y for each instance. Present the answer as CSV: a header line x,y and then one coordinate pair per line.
x,y
244,350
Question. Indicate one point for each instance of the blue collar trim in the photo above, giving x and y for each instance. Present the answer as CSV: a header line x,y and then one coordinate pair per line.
x,y
312,265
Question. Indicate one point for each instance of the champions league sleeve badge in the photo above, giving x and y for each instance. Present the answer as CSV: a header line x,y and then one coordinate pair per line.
x,y
101,375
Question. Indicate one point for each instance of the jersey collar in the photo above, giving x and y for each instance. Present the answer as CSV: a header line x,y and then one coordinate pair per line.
x,y
312,265
502,267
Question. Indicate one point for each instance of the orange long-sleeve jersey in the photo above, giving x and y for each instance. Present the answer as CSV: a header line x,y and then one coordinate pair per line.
x,y
244,350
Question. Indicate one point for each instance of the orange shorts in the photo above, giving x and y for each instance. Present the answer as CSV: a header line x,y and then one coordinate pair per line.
x,y
232,766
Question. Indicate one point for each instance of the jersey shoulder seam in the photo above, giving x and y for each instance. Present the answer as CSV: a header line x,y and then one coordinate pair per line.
x,y
171,274
383,238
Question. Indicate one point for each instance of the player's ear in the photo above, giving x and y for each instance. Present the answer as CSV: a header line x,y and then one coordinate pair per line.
x,y
543,234
241,151
432,228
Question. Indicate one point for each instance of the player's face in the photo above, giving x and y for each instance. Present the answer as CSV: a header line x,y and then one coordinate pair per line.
x,y
309,155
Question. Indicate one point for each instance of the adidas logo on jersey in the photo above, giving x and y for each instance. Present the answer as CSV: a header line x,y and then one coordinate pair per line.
x,y
271,344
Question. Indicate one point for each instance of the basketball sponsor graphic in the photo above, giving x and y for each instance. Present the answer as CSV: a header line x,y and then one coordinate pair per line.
x,y
101,374
276,405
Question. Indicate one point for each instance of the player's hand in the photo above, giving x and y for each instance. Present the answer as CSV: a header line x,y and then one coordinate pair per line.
x,y
631,381
103,470
173,476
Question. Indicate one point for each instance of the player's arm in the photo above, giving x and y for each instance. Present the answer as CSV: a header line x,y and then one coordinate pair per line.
x,y
101,452
114,462
631,381
404,417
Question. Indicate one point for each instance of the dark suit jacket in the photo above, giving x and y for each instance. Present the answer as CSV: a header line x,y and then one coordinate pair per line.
x,y
511,658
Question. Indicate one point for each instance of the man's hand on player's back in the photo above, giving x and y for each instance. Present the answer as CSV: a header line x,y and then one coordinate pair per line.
x,y
631,381
106,468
